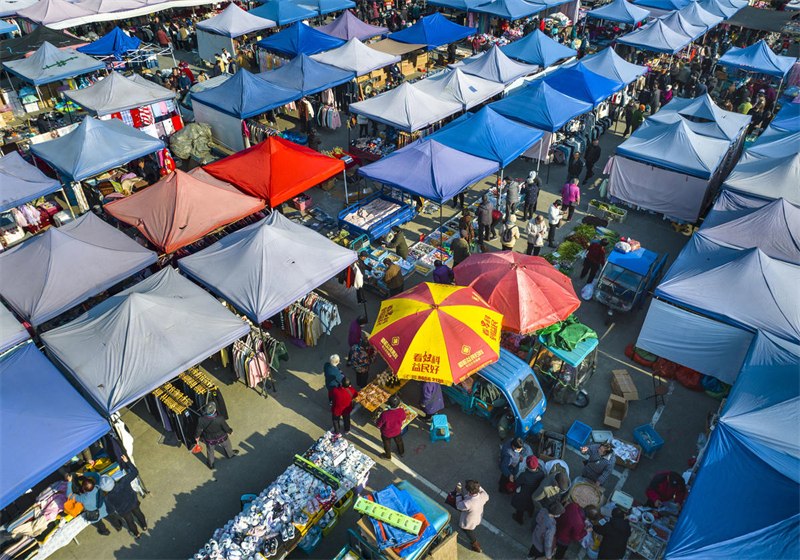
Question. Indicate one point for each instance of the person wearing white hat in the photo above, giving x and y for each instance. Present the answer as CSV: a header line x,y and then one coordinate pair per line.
x,y
121,500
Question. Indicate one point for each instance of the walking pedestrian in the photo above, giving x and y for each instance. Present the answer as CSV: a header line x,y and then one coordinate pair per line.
x,y
442,274
390,423
543,543
592,156
361,357
485,210
598,466
576,165
571,196
213,430
470,502
121,499
638,117
465,227
527,482
512,455
554,216
615,533
431,400
594,260
537,231
531,194
341,398
356,332
510,235
333,375
393,277
629,109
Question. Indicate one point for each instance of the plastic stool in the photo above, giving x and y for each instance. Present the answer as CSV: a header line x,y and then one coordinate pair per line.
x,y
440,429
246,500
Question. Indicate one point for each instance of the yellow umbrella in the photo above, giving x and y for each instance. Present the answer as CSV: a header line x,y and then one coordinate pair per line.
x,y
437,332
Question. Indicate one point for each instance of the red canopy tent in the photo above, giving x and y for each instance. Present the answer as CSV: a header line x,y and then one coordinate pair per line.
x,y
182,208
276,169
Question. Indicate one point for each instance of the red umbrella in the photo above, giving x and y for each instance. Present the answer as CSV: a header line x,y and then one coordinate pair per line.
x,y
529,292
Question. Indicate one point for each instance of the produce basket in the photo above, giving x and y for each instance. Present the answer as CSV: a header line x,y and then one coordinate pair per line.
x,y
607,210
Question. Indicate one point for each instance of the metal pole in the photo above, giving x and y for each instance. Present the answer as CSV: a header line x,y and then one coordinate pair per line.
x,y
346,196
66,200
500,185
539,161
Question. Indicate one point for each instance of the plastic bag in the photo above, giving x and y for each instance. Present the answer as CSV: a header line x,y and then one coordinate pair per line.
x,y
622,247
588,291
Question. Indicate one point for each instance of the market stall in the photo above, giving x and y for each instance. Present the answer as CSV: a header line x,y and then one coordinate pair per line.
x,y
12,332
293,511
757,58
67,265
24,45
609,64
347,26
354,56
580,82
223,30
306,75
282,13
22,182
620,11
122,51
496,66
52,13
299,38
657,37
432,31
539,49
455,85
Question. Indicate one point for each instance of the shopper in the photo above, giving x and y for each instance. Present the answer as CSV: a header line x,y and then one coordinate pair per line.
x,y
390,423
485,210
537,231
431,400
591,157
470,502
393,277
511,456
442,274
666,486
615,533
598,466
122,500
576,165
512,198
554,216
510,235
638,116
94,506
530,192
356,331
361,357
333,375
527,482
363,267
551,490
213,430
571,196
544,532
460,248
465,227
341,398
570,528
594,260
629,109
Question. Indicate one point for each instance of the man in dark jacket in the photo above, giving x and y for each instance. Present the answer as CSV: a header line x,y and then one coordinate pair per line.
x,y
594,260
393,277
442,274
576,165
592,157
214,431
512,197
527,482
484,220
460,249
530,191
398,243
122,500
615,533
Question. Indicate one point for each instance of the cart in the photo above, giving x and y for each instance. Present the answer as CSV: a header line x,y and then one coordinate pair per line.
x,y
565,372
627,278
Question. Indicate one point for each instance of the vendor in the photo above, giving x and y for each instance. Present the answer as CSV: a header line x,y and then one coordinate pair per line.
x,y
666,486
397,242
598,466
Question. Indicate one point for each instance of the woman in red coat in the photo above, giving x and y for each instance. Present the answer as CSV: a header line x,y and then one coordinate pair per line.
x,y
666,486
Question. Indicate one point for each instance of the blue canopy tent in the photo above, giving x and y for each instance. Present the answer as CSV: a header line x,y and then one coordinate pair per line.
x,y
656,36
774,144
663,5
537,48
432,31
283,12
488,135
347,26
752,458
323,7
11,331
429,169
245,95
299,39
731,205
758,58
511,10
581,83
787,119
697,15
256,269
50,64
42,418
704,117
463,5
609,64
678,23
234,22
494,65
307,75
22,182
621,11
722,9
767,177
540,106
65,266
96,146
114,43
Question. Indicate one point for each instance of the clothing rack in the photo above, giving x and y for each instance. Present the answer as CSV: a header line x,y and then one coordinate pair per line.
x,y
173,408
326,310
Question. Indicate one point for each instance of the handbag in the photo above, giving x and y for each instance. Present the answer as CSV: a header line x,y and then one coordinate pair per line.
x,y
73,507
92,515
450,500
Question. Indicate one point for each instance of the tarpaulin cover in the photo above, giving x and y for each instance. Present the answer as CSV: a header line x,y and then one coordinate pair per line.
x,y
49,64
323,7
767,177
462,5
755,441
347,26
691,340
19,47
275,170
656,36
455,85
666,5
722,9
263,268
356,57
756,295
388,536
21,182
580,82
430,169
282,11
406,108
541,106
774,144
116,42
11,7
537,48
695,14
511,10
621,11
307,75
758,58
47,12
680,24
299,38
729,206
105,7
677,147
234,22
182,208
489,135
672,193
704,117
787,119
609,64
133,342
116,93
433,31
42,418
639,261
96,146
494,65
395,48
11,331
65,266
245,95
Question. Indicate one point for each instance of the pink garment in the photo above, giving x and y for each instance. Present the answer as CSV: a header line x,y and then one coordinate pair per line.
x,y
570,194
258,369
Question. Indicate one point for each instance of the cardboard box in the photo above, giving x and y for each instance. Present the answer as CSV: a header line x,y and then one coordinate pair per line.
x,y
622,385
616,410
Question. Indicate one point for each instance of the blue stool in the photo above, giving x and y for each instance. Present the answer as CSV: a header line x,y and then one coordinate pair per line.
x,y
247,500
440,429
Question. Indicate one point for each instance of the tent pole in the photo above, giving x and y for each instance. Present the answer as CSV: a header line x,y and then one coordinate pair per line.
x,y
346,196
66,200
39,93
539,161
500,185
8,77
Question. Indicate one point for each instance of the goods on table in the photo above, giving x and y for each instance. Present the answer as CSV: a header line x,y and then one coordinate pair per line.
x,y
627,454
372,396
371,213
410,414
585,494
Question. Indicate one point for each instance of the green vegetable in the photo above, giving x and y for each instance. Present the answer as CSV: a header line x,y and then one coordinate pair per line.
x,y
569,250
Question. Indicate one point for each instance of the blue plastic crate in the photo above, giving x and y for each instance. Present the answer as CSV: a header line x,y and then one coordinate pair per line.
x,y
648,438
578,434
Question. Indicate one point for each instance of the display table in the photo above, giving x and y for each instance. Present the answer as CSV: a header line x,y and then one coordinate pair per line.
x,y
375,395
286,514
66,533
